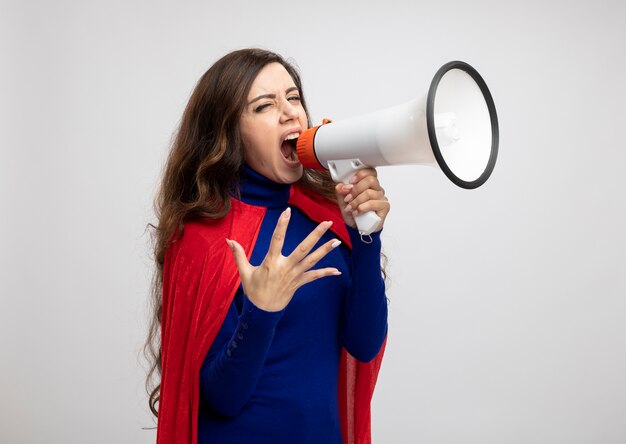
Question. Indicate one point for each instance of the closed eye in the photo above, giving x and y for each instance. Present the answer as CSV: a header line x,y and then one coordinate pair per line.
x,y
265,105
261,107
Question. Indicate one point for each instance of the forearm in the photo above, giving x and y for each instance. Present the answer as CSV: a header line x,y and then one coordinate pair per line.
x,y
232,367
365,313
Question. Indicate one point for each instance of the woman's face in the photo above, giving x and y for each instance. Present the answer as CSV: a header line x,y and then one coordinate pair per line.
x,y
272,114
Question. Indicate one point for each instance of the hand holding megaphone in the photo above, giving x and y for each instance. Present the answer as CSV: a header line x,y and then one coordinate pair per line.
x,y
454,126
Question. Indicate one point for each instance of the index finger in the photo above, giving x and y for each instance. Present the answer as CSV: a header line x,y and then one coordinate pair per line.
x,y
309,242
362,173
278,238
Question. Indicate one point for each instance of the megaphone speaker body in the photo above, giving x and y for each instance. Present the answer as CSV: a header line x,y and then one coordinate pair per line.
x,y
454,126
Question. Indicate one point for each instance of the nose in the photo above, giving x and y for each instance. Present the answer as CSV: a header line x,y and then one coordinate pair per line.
x,y
289,111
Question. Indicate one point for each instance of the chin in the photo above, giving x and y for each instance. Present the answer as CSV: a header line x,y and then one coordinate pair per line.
x,y
293,176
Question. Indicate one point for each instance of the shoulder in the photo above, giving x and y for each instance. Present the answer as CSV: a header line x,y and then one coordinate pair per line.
x,y
312,202
202,234
318,208
204,231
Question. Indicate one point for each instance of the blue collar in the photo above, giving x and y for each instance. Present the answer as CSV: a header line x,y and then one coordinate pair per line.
x,y
258,190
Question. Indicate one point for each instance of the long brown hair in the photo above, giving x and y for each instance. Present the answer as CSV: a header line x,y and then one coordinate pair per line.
x,y
202,171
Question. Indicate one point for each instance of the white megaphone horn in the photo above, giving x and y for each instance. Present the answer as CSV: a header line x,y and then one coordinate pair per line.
x,y
454,126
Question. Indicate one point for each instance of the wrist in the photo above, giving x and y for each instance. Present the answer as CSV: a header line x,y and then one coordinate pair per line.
x,y
257,304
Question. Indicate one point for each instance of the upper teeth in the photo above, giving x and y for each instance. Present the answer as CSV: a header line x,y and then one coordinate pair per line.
x,y
292,136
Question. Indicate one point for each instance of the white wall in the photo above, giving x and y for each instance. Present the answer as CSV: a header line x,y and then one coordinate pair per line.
x,y
507,302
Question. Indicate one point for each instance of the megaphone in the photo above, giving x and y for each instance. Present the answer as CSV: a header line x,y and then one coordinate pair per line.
x,y
454,126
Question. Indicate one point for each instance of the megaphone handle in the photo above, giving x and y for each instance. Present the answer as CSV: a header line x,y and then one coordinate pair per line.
x,y
342,171
367,222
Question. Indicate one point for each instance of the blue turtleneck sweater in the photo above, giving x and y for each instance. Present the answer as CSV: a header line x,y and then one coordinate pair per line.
x,y
272,377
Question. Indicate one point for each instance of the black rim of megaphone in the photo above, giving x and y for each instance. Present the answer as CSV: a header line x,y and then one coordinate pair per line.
x,y
430,122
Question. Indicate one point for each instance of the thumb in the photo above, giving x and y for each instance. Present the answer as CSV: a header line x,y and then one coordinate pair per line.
x,y
240,256
341,191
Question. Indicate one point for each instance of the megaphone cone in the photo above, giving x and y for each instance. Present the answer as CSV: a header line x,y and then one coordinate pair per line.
x,y
454,126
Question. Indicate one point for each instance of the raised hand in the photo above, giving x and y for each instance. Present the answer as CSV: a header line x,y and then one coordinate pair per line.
x,y
271,285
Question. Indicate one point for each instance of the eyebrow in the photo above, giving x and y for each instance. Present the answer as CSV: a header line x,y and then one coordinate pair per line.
x,y
271,96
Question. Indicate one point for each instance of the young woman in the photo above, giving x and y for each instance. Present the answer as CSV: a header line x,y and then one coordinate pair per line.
x,y
271,309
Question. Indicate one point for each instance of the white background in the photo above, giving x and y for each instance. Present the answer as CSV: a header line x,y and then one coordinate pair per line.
x,y
508,303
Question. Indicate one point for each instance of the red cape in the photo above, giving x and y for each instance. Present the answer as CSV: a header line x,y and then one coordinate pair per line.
x,y
200,279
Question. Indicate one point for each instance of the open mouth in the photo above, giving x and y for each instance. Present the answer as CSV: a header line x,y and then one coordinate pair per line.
x,y
288,147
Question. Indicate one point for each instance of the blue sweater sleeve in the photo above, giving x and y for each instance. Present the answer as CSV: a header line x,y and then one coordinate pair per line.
x,y
233,364
365,311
